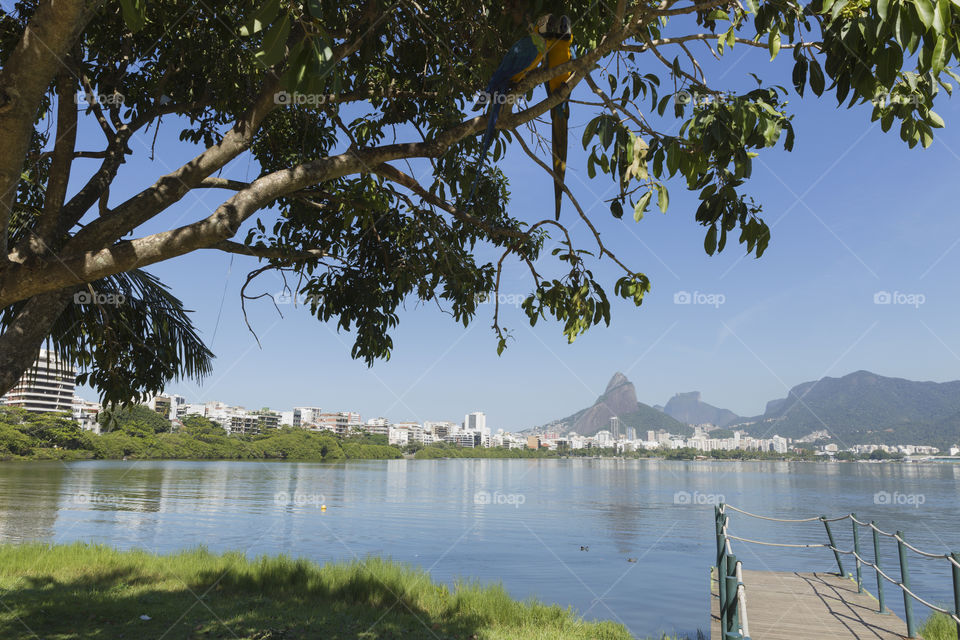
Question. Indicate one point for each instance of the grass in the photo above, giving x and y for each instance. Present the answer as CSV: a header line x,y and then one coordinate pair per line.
x,y
83,591
939,627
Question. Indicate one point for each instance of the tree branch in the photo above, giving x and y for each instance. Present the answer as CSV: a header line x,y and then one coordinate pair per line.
x,y
275,253
62,159
24,79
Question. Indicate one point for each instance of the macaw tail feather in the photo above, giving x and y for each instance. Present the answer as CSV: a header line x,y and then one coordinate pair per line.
x,y
560,115
487,141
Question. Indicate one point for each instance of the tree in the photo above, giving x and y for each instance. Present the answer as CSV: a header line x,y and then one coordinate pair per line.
x,y
330,100
135,420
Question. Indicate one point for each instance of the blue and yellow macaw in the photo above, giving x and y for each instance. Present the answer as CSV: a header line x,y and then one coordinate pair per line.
x,y
523,56
559,37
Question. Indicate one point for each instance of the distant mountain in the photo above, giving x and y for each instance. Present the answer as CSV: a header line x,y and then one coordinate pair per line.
x,y
620,400
689,408
864,407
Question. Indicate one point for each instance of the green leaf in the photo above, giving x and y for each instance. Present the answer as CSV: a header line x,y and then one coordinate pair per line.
x,y
134,14
939,58
589,130
773,43
731,37
754,6
941,17
274,43
882,8
800,75
663,198
641,206
837,8
710,242
616,209
673,158
935,120
263,16
816,77
925,11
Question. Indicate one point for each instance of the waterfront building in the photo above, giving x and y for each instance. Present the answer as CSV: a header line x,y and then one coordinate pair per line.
x,y
46,386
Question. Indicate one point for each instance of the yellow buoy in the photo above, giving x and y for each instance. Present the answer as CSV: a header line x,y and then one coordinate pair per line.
x,y
323,507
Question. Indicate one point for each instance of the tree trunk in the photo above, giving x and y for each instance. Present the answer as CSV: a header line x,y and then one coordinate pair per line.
x,y
22,340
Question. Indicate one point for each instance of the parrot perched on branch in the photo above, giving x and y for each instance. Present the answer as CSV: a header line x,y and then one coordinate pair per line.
x,y
559,36
524,55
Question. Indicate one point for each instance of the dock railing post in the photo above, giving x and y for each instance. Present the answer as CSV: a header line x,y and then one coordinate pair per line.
x,y
905,582
856,549
876,561
956,587
730,576
833,545
721,566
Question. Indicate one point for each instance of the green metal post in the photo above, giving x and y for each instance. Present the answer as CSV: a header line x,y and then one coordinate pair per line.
x,y
836,554
956,589
876,561
856,549
718,516
721,567
905,581
733,616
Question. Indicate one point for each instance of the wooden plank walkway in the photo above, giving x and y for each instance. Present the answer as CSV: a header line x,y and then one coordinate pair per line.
x,y
798,606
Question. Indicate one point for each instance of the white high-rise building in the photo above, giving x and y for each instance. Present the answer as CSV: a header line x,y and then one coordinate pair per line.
x,y
603,438
779,444
46,386
476,421
615,427
308,415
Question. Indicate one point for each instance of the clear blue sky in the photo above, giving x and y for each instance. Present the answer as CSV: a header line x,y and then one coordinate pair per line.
x,y
852,210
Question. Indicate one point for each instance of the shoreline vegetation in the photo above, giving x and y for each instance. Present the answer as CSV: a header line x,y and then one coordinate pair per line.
x,y
199,594
140,434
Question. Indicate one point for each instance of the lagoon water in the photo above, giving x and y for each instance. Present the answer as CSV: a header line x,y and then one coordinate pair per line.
x,y
520,522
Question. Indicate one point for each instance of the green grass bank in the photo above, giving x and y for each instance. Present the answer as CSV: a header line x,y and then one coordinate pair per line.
x,y
95,592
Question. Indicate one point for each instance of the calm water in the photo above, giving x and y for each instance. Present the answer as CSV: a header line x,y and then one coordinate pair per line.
x,y
540,513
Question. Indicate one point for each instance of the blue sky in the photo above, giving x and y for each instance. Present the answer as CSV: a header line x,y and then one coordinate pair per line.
x,y
853,212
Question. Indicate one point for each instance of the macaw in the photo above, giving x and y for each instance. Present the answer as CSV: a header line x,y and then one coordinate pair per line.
x,y
524,55
559,36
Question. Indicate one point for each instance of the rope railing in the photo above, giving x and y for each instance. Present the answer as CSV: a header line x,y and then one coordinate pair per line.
x,y
853,518
902,546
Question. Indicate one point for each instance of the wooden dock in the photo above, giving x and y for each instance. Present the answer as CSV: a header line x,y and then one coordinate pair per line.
x,y
798,606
